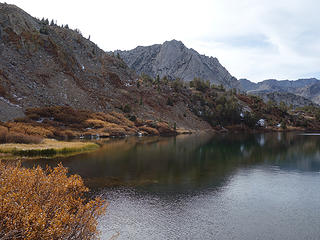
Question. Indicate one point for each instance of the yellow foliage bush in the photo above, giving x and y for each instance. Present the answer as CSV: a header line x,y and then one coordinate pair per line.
x,y
45,204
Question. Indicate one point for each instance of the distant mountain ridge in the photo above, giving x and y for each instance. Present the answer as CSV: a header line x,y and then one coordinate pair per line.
x,y
306,88
174,60
289,99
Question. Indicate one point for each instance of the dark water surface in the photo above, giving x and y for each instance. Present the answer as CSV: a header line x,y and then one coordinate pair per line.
x,y
263,186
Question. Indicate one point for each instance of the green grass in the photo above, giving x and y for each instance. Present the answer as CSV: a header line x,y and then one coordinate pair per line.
x,y
52,152
49,151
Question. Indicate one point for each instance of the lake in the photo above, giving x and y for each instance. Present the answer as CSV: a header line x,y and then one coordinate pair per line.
x,y
236,186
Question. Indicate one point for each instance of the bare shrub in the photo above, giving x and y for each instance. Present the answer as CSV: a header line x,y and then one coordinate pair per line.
x,y
14,137
59,113
3,134
29,129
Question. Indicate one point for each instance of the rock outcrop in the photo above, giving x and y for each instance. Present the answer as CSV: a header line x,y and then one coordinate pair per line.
x,y
174,60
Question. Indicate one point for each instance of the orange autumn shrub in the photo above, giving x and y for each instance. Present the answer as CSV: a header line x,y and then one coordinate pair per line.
x,y
123,120
111,119
29,129
115,131
149,130
3,134
7,136
45,204
63,114
95,123
14,137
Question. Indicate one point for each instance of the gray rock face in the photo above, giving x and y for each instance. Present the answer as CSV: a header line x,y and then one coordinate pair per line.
x,y
311,92
174,60
302,89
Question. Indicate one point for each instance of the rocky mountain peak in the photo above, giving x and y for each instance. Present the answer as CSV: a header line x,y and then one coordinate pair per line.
x,y
174,42
174,60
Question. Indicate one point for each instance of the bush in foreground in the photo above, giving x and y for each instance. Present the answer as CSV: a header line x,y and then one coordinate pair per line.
x,y
45,204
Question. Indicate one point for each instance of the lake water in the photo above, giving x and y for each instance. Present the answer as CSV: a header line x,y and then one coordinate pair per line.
x,y
262,186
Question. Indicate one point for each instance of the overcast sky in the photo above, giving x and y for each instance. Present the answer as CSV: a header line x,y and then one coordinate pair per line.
x,y
254,39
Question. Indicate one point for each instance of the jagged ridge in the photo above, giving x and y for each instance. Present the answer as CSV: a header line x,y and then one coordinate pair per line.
x,y
174,60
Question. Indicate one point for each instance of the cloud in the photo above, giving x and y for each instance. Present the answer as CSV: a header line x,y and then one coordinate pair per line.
x,y
254,39
265,39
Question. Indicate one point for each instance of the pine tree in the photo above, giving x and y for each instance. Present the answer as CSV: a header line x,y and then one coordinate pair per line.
x,y
158,79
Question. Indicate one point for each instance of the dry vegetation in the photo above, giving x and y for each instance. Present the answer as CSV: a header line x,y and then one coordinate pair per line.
x,y
305,118
48,147
65,123
13,136
45,204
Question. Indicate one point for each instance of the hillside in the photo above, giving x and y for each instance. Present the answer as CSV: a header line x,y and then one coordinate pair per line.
x,y
289,99
174,60
311,92
44,65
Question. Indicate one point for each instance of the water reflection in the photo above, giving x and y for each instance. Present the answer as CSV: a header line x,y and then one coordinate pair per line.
x,y
188,163
261,186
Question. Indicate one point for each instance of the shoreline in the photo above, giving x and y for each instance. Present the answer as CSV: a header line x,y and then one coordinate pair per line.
x,y
53,148
48,148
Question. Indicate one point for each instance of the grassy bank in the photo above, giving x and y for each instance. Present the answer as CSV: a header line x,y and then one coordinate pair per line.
x,y
47,148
